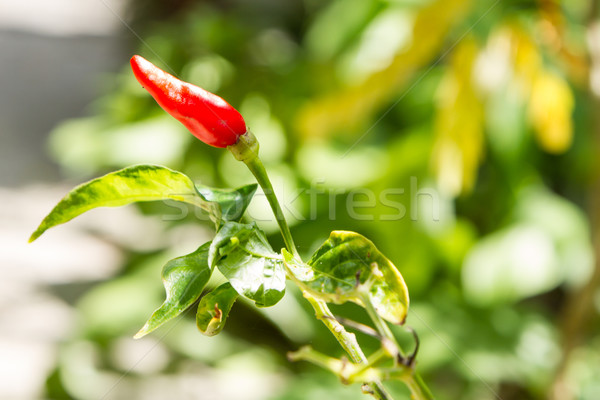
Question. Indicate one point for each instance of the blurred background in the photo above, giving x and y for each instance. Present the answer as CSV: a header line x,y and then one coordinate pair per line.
x,y
469,128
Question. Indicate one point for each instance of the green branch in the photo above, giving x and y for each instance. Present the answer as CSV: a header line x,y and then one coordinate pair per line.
x,y
246,150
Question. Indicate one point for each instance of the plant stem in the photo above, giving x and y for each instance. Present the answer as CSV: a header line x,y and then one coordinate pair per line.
x,y
418,388
258,170
347,340
246,150
383,329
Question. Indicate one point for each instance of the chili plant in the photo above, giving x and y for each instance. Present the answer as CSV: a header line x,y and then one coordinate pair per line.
x,y
346,268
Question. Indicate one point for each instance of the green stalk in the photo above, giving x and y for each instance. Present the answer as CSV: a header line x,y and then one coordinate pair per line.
x,y
258,170
417,387
246,150
346,339
381,326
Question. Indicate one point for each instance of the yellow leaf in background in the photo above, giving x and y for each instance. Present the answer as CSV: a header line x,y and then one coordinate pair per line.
x,y
550,109
527,57
351,108
459,143
549,95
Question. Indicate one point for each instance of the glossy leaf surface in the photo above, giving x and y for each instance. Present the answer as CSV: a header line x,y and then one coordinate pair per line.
x,y
243,255
146,183
184,279
348,267
214,308
227,204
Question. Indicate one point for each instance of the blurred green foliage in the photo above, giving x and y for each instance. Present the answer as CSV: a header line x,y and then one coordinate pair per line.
x,y
481,113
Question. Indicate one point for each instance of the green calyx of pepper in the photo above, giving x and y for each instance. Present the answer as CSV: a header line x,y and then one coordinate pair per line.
x,y
246,148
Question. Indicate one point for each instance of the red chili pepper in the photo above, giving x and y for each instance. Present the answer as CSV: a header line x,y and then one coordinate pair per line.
x,y
210,118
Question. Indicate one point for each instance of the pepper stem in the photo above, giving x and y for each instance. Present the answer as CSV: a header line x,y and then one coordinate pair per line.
x,y
246,150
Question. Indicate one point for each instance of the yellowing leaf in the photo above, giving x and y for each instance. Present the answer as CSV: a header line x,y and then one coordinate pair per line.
x,y
527,58
550,98
459,123
351,107
550,109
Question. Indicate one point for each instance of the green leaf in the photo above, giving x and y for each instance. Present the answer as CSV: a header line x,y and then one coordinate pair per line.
x,y
137,183
243,255
228,204
214,308
348,267
184,279
146,183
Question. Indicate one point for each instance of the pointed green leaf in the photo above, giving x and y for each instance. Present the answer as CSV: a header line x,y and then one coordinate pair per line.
x,y
184,279
348,267
146,183
214,308
231,202
137,183
243,255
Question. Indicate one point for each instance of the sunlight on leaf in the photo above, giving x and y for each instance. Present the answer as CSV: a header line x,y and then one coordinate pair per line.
x,y
146,183
244,256
126,186
348,267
